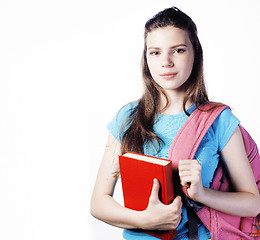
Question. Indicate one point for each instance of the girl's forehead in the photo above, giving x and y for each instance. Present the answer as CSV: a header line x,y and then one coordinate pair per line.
x,y
171,35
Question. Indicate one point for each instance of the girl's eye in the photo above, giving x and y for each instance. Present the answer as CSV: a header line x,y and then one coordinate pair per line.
x,y
179,50
154,53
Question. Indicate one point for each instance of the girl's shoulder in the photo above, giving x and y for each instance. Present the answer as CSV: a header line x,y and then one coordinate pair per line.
x,y
128,108
125,111
224,126
118,122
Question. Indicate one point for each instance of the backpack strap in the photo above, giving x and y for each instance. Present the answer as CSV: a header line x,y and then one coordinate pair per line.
x,y
188,138
185,145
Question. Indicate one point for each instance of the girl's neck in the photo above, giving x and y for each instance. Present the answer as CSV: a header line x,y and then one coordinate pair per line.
x,y
175,104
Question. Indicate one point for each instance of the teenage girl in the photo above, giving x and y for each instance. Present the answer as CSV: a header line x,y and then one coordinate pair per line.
x,y
172,66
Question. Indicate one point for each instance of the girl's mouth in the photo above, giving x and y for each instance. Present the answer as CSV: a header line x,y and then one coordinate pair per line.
x,y
168,76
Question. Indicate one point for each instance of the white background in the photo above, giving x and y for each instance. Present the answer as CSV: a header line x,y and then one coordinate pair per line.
x,y
66,67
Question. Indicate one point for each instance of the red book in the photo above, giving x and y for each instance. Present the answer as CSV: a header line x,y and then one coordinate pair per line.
x,y
137,174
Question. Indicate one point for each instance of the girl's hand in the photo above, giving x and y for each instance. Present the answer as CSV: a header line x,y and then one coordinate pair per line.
x,y
159,216
190,177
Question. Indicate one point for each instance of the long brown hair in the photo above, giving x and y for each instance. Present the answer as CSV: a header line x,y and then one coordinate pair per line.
x,y
142,118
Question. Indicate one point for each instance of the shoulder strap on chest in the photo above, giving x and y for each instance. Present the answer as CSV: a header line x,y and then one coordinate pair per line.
x,y
187,140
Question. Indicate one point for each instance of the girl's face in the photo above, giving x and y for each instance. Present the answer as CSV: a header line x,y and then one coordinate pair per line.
x,y
170,57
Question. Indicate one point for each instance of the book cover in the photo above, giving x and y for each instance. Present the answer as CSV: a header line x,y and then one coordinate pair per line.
x,y
137,174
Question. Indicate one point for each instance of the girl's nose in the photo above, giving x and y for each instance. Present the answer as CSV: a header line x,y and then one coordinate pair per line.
x,y
167,62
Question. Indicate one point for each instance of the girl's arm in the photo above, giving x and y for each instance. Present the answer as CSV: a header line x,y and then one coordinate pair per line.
x,y
104,207
245,201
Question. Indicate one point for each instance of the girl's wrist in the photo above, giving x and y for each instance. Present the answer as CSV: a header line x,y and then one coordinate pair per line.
x,y
202,196
137,219
205,196
143,218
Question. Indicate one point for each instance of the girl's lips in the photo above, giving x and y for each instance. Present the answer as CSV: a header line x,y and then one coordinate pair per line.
x,y
168,76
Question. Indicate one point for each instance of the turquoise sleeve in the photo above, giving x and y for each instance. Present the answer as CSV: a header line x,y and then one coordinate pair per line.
x,y
224,126
116,125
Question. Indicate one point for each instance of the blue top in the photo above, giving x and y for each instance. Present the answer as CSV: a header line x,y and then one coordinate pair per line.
x,y
166,127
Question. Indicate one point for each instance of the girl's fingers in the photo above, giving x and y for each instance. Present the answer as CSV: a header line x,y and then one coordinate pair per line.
x,y
190,177
185,181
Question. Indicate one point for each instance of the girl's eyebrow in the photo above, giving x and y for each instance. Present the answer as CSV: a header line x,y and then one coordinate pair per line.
x,y
175,46
179,45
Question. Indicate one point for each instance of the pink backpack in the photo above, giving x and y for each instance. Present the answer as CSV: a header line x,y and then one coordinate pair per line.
x,y
221,226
